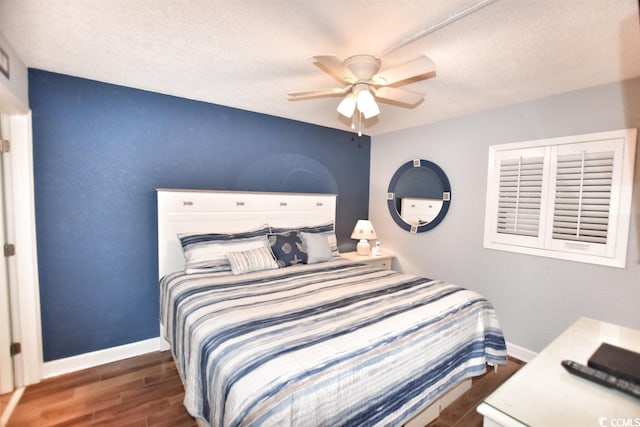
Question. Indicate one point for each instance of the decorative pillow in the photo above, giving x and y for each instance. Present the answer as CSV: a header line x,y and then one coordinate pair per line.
x,y
288,248
317,247
251,260
324,229
208,252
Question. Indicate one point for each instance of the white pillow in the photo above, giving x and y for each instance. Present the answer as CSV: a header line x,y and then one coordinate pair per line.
x,y
317,247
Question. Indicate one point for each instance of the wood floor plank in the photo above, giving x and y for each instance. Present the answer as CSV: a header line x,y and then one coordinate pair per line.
x,y
147,391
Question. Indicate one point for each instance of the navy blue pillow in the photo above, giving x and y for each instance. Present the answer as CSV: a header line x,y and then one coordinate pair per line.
x,y
287,248
325,229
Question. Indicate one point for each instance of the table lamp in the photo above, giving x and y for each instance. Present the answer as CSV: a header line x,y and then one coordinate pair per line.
x,y
363,231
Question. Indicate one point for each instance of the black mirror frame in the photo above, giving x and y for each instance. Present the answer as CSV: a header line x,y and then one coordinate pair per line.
x,y
446,196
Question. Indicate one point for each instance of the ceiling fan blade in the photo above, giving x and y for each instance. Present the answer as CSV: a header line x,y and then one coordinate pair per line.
x,y
319,92
401,96
416,67
332,65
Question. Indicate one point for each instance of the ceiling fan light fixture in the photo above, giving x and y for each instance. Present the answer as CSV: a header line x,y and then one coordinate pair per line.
x,y
367,105
365,84
347,106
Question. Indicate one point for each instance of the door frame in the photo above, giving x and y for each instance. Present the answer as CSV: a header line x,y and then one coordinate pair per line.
x,y
24,284
6,360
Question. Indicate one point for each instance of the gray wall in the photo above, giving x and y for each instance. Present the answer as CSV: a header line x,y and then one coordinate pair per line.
x,y
536,298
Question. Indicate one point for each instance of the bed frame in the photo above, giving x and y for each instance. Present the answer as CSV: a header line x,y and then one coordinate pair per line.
x,y
199,211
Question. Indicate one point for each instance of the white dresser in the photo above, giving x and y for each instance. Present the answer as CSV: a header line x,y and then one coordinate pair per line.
x,y
543,393
419,211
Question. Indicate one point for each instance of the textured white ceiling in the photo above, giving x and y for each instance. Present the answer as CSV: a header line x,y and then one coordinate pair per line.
x,y
250,53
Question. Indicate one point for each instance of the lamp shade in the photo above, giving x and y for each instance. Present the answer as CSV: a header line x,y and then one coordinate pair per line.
x,y
364,230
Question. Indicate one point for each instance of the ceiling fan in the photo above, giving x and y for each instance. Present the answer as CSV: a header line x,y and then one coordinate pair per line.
x,y
364,82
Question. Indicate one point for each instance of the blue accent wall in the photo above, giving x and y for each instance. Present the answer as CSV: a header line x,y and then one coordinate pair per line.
x,y
101,150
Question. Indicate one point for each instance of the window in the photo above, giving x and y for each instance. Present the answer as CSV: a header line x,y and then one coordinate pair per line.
x,y
567,198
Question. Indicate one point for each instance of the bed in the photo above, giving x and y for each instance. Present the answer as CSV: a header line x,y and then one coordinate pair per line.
x,y
323,342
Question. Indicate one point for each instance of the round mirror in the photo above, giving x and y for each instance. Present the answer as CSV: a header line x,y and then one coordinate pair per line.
x,y
419,196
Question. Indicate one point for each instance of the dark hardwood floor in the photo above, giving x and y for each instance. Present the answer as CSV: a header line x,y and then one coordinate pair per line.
x,y
462,412
140,391
147,391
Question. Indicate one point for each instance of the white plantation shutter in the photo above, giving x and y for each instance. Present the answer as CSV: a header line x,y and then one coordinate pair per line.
x,y
520,194
587,187
517,189
583,197
567,198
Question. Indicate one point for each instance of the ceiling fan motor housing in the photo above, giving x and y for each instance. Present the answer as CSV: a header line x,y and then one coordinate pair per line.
x,y
364,67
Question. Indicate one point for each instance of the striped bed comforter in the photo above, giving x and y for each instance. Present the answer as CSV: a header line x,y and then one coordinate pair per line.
x,y
336,343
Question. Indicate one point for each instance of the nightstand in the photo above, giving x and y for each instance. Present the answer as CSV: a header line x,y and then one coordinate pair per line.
x,y
382,261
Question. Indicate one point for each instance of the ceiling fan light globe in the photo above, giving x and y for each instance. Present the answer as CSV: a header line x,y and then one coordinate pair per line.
x,y
347,106
367,105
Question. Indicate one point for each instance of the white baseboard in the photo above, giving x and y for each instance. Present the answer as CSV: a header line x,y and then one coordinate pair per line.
x,y
100,357
520,353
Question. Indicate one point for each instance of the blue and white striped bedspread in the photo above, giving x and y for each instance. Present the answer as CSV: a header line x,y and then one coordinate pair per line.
x,y
327,344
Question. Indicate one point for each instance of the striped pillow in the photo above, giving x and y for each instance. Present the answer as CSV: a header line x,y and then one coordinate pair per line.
x,y
251,260
208,252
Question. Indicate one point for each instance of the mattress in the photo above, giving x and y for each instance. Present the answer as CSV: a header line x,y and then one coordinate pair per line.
x,y
335,343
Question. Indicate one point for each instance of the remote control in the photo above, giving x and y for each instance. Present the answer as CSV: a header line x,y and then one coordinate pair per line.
x,y
602,378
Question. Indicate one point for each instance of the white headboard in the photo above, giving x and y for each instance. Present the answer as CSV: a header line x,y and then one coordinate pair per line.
x,y
201,211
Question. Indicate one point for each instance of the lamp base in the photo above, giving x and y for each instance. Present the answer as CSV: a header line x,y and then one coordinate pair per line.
x,y
363,248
